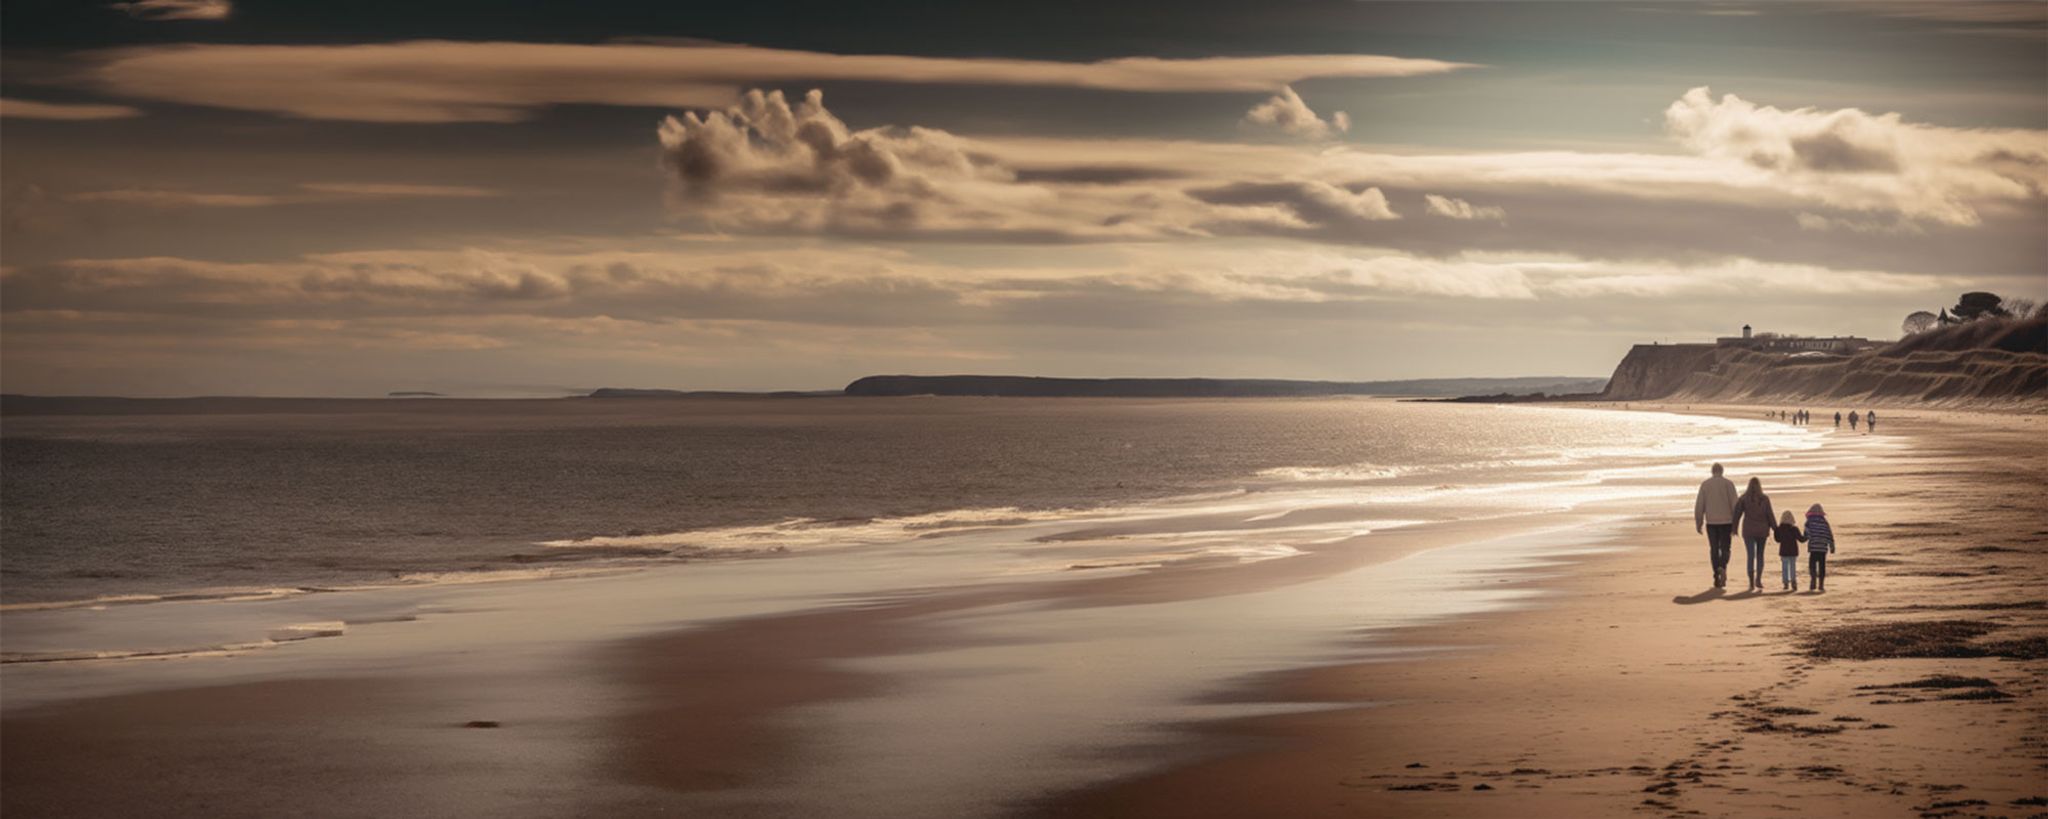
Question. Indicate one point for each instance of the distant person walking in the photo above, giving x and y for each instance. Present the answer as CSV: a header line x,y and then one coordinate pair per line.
x,y
1870,421
1820,542
1754,508
1714,512
1838,419
1789,537
1853,418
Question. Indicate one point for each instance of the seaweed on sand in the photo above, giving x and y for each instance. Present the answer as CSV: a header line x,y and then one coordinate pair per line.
x,y
1922,638
1936,681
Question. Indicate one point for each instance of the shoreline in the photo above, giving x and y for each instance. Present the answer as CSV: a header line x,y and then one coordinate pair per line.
x,y
1666,706
731,743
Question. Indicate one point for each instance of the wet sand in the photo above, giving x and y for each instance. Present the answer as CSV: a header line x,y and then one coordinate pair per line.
x,y
1640,691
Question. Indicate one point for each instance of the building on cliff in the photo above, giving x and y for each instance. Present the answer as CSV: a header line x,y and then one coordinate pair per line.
x,y
1777,343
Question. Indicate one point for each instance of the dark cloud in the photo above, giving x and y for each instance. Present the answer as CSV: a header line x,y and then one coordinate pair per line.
x,y
1833,151
1096,174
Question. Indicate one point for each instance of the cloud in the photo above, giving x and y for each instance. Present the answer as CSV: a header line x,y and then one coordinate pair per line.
x,y
764,163
1955,11
1306,204
2011,19
31,109
1286,113
390,190
829,288
809,287
306,193
1861,161
818,315
1819,222
1707,9
768,166
1803,140
441,81
146,197
177,9
745,170
1460,209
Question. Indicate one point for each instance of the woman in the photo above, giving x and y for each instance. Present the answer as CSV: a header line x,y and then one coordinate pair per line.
x,y
1753,509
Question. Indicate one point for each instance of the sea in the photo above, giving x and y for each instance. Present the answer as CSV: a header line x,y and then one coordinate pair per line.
x,y
1091,575
135,501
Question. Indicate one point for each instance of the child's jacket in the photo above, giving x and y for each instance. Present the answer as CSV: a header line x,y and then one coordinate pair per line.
x,y
1789,537
1820,538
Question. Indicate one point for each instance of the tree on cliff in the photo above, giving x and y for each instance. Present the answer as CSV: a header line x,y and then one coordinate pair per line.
x,y
1919,321
1978,305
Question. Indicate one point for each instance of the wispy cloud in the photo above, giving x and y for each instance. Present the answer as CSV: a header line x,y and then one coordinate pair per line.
x,y
31,109
1956,11
308,193
440,81
178,9
823,314
808,287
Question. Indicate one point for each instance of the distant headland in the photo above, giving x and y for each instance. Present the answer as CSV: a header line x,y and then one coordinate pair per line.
x,y
1040,387
1024,386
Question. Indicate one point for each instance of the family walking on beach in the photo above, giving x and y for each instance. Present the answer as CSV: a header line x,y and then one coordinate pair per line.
x,y
1800,418
1718,509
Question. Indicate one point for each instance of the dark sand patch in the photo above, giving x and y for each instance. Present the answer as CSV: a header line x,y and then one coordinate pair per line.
x,y
1988,605
1865,561
1929,638
1936,681
1977,694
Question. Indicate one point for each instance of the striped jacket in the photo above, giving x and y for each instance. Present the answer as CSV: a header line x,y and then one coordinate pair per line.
x,y
1819,536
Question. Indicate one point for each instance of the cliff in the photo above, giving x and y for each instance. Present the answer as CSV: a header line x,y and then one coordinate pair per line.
x,y
1651,371
1029,386
1984,364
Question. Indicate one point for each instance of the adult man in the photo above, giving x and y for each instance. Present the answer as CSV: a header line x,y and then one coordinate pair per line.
x,y
1714,510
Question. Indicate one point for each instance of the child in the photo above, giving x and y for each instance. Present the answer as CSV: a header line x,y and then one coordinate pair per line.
x,y
1820,542
1789,538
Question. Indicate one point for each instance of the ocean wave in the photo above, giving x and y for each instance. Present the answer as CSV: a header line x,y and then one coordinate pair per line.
x,y
1347,473
267,594
806,534
280,635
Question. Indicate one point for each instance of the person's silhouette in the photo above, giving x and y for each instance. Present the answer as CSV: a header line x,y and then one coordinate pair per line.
x,y
1713,511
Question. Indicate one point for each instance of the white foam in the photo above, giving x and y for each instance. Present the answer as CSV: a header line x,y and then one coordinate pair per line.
x,y
308,631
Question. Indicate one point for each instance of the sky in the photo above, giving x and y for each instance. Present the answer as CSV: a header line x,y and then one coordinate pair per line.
x,y
275,197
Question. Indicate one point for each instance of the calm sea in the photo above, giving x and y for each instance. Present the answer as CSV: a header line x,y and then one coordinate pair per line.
x,y
112,499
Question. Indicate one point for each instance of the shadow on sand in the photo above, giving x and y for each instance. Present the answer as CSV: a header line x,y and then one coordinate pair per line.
x,y
1715,594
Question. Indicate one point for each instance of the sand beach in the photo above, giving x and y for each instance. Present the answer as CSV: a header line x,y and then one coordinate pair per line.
x,y
1616,696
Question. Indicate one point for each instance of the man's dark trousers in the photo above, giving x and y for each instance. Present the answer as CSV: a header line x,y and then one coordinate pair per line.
x,y
1719,538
